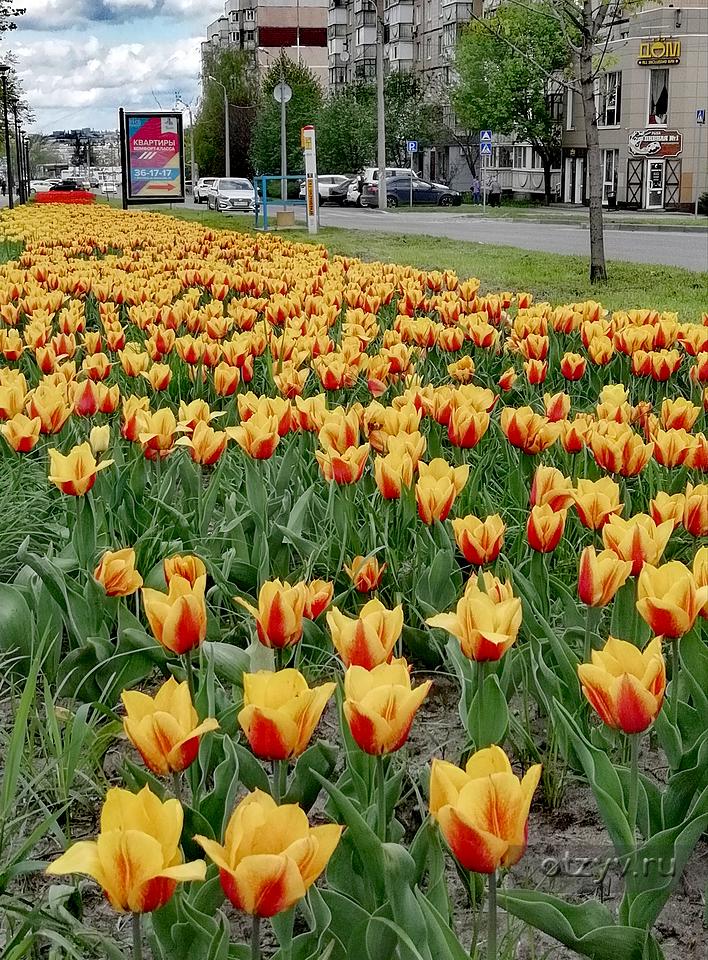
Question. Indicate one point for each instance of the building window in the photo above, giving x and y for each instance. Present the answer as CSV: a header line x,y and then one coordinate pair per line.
x,y
609,99
569,103
536,162
520,158
428,48
417,49
502,156
658,96
610,166
249,14
428,11
249,34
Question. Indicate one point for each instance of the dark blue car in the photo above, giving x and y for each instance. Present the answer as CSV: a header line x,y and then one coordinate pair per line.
x,y
398,193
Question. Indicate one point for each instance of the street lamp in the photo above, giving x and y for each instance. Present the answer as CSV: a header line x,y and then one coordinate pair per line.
x,y
4,70
20,182
227,135
192,162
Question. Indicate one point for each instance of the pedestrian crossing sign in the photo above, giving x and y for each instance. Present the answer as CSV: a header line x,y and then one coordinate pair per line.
x,y
485,149
485,136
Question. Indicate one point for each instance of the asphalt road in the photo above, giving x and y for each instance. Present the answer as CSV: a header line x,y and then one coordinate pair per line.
x,y
676,249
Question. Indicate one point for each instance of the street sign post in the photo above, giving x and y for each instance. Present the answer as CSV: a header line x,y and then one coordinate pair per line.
x,y
485,150
282,94
411,148
700,120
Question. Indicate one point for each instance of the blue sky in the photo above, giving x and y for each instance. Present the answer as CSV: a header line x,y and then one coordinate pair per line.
x,y
80,60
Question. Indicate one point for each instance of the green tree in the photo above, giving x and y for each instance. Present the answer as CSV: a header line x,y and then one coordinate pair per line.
x,y
506,66
42,153
410,115
303,108
237,71
9,15
346,130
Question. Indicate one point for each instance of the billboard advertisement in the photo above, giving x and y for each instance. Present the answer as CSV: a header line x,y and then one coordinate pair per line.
x,y
153,157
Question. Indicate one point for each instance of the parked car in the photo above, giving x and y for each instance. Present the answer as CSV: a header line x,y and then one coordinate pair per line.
x,y
398,190
340,192
232,194
67,186
42,186
200,191
371,175
325,184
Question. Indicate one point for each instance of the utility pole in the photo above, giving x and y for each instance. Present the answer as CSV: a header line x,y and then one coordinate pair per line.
x,y
192,162
227,133
20,181
283,129
380,116
4,70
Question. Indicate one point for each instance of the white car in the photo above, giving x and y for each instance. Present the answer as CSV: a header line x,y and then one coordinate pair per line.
x,y
324,185
202,187
42,186
232,195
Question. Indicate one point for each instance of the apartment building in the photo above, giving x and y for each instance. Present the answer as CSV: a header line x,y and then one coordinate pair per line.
x,y
651,102
420,36
265,27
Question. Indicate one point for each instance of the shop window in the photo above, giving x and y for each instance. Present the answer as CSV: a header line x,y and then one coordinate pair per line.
x,y
658,96
569,102
609,99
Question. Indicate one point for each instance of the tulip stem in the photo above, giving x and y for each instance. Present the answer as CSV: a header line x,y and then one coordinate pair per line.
x,y
590,627
492,917
137,937
280,780
256,938
189,670
381,796
177,786
674,662
633,801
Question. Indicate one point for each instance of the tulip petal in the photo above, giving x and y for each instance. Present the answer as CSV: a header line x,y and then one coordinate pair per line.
x,y
270,733
446,781
214,850
475,849
636,707
312,853
264,885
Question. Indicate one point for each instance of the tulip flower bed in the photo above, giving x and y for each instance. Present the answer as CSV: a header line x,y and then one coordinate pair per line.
x,y
295,507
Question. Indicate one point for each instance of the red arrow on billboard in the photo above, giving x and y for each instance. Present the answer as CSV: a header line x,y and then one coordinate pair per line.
x,y
162,186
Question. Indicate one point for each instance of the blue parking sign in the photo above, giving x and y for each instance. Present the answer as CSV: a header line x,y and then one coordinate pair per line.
x,y
411,146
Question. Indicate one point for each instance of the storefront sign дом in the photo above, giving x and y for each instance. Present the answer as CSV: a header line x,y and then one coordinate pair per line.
x,y
659,53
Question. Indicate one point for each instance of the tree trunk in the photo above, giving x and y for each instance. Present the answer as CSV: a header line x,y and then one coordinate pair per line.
x,y
598,268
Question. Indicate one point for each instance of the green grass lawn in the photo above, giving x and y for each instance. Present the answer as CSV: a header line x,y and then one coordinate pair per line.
x,y
549,276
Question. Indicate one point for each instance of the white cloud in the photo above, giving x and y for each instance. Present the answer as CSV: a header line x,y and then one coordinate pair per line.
x,y
42,14
73,81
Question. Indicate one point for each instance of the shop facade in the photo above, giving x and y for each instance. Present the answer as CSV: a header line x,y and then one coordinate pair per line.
x,y
651,99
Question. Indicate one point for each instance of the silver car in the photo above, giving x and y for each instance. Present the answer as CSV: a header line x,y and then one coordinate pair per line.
x,y
232,195
203,185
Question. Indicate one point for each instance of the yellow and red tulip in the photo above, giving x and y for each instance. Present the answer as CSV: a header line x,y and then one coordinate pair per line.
x,y
271,855
280,712
165,729
136,858
625,685
483,810
380,705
